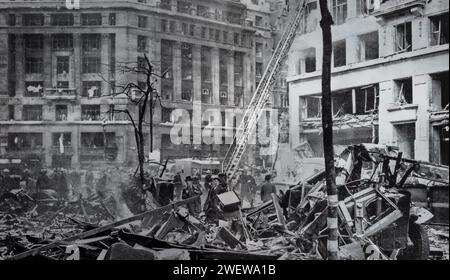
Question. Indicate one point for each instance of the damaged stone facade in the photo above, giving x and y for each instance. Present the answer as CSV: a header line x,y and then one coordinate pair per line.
x,y
389,76
51,58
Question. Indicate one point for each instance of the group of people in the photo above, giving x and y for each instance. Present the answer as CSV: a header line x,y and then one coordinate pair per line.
x,y
214,185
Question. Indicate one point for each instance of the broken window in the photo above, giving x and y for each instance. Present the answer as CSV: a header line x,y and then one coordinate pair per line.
x,y
192,29
236,38
32,112
64,137
33,41
95,140
368,46
223,77
184,7
12,112
206,75
62,19
203,33
91,64
61,112
164,25
440,91
34,89
112,19
259,70
403,37
11,19
405,136
141,43
166,69
142,21
259,49
34,65
184,28
217,35
91,42
258,21
404,91
238,69
313,106
364,7
91,19
203,11
186,72
367,99
339,53
342,103
172,26
92,89
233,17
339,11
62,84
310,60
165,4
439,30
33,19
24,141
225,36
90,112
62,41
141,63
62,65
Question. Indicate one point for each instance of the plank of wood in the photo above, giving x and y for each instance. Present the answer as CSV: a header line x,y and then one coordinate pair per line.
x,y
88,233
278,210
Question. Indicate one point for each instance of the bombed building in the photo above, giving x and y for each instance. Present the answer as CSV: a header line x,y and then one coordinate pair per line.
x,y
59,71
389,76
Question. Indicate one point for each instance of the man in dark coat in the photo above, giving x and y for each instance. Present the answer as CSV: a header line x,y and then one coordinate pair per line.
x,y
192,190
211,207
248,186
267,189
43,182
208,181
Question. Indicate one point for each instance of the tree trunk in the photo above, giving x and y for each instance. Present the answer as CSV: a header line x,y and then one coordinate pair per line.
x,y
327,125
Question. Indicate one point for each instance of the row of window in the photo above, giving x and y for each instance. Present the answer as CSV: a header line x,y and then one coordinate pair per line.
x,y
368,44
203,32
88,113
203,11
91,140
62,19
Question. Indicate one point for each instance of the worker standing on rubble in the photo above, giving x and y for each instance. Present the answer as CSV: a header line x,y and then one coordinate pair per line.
x,y
208,181
267,189
178,186
192,190
211,207
248,186
43,181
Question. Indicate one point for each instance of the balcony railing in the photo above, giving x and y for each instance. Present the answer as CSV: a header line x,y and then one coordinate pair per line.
x,y
60,93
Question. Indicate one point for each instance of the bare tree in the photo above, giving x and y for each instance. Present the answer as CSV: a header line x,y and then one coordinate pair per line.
x,y
144,97
327,124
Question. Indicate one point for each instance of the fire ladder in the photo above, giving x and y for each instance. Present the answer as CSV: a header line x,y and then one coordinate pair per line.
x,y
261,96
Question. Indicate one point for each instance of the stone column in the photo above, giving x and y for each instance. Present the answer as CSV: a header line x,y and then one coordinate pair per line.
x,y
215,76
249,79
230,68
20,66
386,129
421,97
197,73
48,77
104,68
176,70
77,61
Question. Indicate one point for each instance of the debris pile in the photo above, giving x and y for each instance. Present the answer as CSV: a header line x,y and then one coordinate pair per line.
x,y
378,208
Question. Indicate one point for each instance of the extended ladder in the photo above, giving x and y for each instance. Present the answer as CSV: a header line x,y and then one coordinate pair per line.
x,y
261,95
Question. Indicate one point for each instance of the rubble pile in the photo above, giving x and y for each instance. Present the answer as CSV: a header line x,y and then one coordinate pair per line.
x,y
378,209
